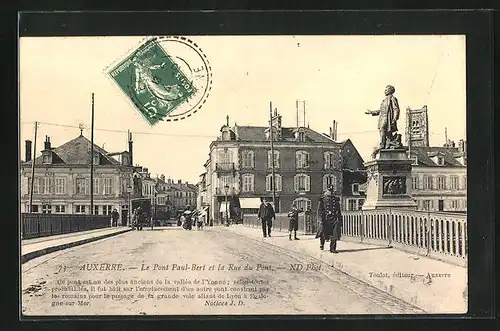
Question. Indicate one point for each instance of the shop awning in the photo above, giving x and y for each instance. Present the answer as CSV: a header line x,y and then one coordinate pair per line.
x,y
248,203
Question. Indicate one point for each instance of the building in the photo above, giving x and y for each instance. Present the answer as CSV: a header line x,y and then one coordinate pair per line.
x,y
202,203
62,179
353,177
241,162
177,195
439,174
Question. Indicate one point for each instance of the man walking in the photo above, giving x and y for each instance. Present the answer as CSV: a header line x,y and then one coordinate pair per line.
x,y
293,214
266,215
329,220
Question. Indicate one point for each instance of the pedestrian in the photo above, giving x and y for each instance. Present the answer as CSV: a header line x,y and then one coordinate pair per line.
x,y
115,215
329,220
293,214
266,215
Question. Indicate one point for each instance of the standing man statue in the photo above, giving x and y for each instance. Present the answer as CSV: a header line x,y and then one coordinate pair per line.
x,y
387,122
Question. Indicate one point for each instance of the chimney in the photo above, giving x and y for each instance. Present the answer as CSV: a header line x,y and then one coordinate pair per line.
x,y
130,148
333,131
28,150
179,181
47,143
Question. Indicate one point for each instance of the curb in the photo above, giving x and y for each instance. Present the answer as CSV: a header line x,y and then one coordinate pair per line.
x,y
396,290
31,255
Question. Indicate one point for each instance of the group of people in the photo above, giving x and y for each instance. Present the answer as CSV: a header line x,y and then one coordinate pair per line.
x,y
188,218
329,219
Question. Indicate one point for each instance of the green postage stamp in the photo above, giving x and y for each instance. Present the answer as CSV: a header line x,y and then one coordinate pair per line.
x,y
165,78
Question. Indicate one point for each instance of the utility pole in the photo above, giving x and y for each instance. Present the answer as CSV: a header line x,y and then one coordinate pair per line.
x,y
92,160
273,182
33,169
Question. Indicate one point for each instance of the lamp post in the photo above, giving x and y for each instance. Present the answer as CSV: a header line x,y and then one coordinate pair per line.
x,y
226,189
129,191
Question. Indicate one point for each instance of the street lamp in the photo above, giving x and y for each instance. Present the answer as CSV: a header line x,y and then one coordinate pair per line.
x,y
129,191
226,189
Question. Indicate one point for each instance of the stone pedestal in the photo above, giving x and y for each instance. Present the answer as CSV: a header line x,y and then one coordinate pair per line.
x,y
389,181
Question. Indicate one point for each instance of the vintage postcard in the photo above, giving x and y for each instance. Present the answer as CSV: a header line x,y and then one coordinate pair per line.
x,y
243,175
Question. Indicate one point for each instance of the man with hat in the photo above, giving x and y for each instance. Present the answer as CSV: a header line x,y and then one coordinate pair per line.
x,y
266,215
329,220
293,214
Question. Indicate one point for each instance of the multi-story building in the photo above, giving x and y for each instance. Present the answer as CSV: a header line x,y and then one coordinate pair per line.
x,y
62,179
202,203
439,174
241,162
178,195
353,177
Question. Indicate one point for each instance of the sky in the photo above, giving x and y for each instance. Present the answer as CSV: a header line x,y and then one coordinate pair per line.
x,y
339,77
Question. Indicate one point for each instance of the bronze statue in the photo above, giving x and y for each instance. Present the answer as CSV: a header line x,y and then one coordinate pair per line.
x,y
387,122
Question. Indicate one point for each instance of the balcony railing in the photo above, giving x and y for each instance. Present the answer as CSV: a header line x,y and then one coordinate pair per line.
x,y
222,191
435,234
229,166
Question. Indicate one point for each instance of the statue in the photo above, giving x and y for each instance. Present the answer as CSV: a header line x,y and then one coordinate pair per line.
x,y
387,123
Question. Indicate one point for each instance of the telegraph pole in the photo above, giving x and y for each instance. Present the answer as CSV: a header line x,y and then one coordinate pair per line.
x,y
273,182
92,160
33,169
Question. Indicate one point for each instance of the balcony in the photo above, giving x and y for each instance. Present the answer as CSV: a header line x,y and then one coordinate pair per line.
x,y
221,192
225,167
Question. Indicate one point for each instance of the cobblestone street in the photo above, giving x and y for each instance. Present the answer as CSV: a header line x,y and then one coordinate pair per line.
x,y
78,281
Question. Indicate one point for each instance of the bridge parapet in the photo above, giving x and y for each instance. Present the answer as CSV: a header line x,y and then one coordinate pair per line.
x,y
437,235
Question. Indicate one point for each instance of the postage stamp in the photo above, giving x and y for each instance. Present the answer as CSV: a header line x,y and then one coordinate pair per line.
x,y
165,78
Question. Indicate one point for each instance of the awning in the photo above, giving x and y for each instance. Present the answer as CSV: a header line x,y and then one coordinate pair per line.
x,y
247,203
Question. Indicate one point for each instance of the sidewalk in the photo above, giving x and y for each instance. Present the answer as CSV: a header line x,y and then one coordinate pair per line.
x,y
434,286
32,248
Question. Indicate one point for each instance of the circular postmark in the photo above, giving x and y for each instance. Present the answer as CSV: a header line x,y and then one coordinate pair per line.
x,y
166,78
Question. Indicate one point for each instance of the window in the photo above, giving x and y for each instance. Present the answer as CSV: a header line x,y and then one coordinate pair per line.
x,y
301,136
276,159
108,186
79,209
355,188
329,160
465,182
60,185
96,186
329,180
106,210
302,182
454,183
224,156
441,183
427,205
82,186
454,204
440,160
35,208
415,183
269,182
301,159
47,159
96,210
360,203
248,183
46,209
352,204
428,182
223,181
302,203
43,185
247,159
60,209
96,158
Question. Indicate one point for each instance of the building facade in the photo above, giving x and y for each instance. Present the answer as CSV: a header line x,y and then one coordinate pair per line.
x,y
176,195
439,174
303,163
62,179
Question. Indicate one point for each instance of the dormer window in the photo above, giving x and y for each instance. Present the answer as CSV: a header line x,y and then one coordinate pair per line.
x,y
275,134
96,158
228,134
300,135
355,188
440,160
47,158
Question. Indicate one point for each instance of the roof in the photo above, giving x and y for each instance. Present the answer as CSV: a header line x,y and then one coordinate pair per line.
x,y
258,133
77,152
425,154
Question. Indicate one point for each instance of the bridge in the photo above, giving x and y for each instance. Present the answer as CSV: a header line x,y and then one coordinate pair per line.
x,y
389,262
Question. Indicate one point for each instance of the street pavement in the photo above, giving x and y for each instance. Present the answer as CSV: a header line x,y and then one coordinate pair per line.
x,y
170,271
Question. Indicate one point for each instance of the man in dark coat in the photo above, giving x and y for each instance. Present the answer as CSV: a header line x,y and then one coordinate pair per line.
x,y
115,217
293,214
266,215
329,220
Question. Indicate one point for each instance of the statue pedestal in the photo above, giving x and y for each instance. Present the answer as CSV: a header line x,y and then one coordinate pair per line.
x,y
389,181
